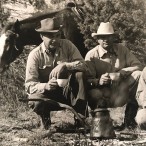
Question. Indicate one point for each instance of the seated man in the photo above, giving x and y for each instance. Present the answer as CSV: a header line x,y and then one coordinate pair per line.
x,y
55,58
114,74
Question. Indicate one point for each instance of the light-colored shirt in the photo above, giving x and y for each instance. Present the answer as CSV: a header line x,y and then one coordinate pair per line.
x,y
40,64
100,61
141,89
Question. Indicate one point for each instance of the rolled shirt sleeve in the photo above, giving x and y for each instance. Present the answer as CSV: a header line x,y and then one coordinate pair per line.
x,y
132,63
76,61
89,58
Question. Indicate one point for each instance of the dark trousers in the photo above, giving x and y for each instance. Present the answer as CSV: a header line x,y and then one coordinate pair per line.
x,y
74,95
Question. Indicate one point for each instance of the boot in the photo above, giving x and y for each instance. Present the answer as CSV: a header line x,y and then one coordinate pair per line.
x,y
45,121
129,119
81,108
130,114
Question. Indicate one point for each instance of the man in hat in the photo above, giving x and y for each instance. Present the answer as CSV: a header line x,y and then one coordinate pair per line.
x,y
55,59
114,74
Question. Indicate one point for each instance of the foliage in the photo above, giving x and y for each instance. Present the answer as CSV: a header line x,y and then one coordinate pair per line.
x,y
127,17
3,15
12,82
39,4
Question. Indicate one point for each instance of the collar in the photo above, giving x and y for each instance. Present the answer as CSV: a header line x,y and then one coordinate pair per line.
x,y
44,49
102,51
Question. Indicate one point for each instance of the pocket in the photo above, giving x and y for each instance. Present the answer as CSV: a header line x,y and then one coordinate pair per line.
x,y
44,73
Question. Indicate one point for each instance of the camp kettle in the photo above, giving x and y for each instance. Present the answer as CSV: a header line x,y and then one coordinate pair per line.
x,y
101,125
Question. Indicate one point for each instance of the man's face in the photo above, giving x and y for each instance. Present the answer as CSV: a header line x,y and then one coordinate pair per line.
x,y
105,41
50,40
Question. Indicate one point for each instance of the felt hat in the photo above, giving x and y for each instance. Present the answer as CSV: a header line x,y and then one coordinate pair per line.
x,y
48,25
104,29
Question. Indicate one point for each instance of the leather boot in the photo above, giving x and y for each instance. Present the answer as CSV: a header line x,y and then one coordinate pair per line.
x,y
129,119
45,121
130,114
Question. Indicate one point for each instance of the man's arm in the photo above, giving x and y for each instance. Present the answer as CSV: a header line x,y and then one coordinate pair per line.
x,y
91,73
32,83
133,64
76,61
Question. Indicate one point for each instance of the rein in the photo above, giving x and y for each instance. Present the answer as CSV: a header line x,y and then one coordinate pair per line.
x,y
12,32
14,46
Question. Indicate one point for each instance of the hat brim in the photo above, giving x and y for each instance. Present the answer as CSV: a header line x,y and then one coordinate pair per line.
x,y
95,34
45,31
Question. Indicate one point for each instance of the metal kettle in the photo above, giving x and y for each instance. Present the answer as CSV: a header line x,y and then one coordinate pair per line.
x,y
102,126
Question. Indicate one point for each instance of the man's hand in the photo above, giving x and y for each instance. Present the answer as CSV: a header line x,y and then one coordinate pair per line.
x,y
58,71
52,84
104,79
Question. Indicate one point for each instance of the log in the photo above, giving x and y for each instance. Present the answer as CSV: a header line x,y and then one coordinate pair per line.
x,y
62,106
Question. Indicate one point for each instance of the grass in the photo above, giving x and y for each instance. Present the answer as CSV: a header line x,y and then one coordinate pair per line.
x,y
19,126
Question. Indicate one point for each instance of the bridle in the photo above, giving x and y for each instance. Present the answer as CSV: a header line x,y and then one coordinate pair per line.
x,y
14,45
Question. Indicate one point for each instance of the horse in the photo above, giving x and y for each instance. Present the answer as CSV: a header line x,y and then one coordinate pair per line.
x,y
16,35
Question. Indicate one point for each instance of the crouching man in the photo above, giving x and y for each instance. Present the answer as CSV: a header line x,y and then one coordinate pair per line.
x,y
114,74
54,59
141,98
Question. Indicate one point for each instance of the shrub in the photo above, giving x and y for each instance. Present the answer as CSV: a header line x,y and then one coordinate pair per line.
x,y
3,16
127,17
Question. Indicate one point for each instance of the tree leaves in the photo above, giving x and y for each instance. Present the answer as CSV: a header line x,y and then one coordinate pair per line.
x,y
127,17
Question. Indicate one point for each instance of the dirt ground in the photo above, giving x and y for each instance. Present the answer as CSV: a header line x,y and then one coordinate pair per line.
x,y
21,128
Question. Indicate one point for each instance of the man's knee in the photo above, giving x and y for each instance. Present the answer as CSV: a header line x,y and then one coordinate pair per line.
x,y
132,81
36,104
79,75
96,100
95,94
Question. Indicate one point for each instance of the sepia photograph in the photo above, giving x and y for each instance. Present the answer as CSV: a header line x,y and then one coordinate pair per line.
x,y
73,72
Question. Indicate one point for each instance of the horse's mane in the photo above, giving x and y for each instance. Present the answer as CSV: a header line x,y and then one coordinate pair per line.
x,y
44,15
37,17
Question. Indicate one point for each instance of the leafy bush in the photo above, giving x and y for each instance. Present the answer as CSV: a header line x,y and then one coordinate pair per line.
x,y
39,4
127,17
3,16
12,82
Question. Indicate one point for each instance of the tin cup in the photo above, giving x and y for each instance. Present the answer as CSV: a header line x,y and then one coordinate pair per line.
x,y
62,82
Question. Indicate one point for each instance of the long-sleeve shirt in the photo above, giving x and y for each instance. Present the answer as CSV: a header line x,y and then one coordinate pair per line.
x,y
40,64
100,61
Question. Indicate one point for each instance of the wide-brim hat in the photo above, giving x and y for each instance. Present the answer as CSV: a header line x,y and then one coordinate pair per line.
x,y
48,25
104,29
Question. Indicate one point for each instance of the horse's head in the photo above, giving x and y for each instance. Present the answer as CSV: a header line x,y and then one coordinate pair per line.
x,y
8,46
